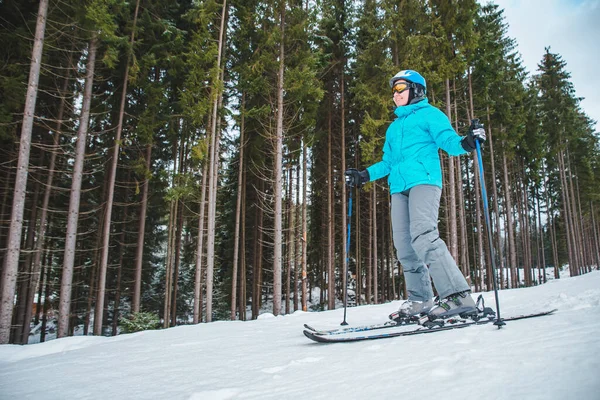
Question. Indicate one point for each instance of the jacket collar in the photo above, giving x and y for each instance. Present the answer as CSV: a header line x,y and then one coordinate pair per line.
x,y
403,111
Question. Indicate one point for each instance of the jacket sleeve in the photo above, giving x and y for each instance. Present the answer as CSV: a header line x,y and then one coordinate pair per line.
x,y
383,167
444,135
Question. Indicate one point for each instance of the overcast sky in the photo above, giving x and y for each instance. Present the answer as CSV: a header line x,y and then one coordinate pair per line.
x,y
572,29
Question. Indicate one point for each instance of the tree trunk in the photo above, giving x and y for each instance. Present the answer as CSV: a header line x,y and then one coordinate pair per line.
x,y
444,203
570,215
460,225
46,296
289,241
73,215
111,191
238,212
464,238
509,223
577,217
496,198
199,248
369,277
304,226
178,234
375,241
596,244
178,230
11,260
480,260
595,234
243,297
213,175
460,235
258,254
170,260
122,250
40,295
330,263
451,206
570,233
552,230
298,234
24,290
344,218
523,213
37,262
137,284
520,224
8,188
528,231
390,250
171,235
278,171
541,234
137,291
480,263
92,280
358,253
585,239
471,229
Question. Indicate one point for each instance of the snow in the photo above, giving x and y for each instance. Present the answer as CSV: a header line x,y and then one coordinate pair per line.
x,y
552,357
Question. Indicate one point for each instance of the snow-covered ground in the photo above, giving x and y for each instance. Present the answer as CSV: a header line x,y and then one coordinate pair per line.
x,y
553,357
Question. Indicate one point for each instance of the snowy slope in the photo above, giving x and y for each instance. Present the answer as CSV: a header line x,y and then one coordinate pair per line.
x,y
554,357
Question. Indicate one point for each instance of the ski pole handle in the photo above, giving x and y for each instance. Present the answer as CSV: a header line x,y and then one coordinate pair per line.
x,y
475,123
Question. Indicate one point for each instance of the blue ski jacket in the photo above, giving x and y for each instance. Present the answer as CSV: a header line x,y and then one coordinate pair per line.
x,y
410,153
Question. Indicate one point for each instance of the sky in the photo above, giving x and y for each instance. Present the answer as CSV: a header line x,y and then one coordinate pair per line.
x,y
550,357
572,29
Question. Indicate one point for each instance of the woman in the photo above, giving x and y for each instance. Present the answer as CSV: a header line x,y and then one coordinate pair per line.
x,y
412,164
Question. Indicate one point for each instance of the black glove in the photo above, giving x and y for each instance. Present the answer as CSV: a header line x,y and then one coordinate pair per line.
x,y
476,132
356,178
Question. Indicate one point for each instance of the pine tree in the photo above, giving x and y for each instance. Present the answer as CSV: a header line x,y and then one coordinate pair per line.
x,y
278,104
11,261
557,101
372,103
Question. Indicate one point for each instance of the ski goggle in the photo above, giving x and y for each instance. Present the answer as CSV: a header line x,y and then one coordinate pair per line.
x,y
400,87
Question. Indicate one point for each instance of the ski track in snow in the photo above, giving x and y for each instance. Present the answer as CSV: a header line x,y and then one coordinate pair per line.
x,y
551,357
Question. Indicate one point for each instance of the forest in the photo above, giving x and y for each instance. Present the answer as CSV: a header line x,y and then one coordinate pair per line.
x,y
168,162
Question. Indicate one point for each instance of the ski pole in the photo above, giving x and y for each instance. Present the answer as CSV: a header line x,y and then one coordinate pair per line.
x,y
347,256
475,124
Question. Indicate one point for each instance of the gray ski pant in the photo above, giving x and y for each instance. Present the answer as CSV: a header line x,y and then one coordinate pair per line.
x,y
419,246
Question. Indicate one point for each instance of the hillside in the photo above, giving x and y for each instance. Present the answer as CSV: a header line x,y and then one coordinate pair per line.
x,y
554,357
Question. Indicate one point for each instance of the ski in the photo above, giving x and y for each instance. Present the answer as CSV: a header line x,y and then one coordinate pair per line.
x,y
395,322
339,338
361,328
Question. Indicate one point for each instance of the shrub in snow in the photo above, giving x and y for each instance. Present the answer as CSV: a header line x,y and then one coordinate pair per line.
x,y
140,321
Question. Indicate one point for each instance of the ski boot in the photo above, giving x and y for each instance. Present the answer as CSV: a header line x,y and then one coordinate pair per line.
x,y
458,304
410,310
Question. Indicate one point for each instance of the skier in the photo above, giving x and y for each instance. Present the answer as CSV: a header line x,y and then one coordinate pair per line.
x,y
412,164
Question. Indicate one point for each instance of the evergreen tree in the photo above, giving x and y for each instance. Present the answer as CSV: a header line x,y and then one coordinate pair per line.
x,y
210,160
